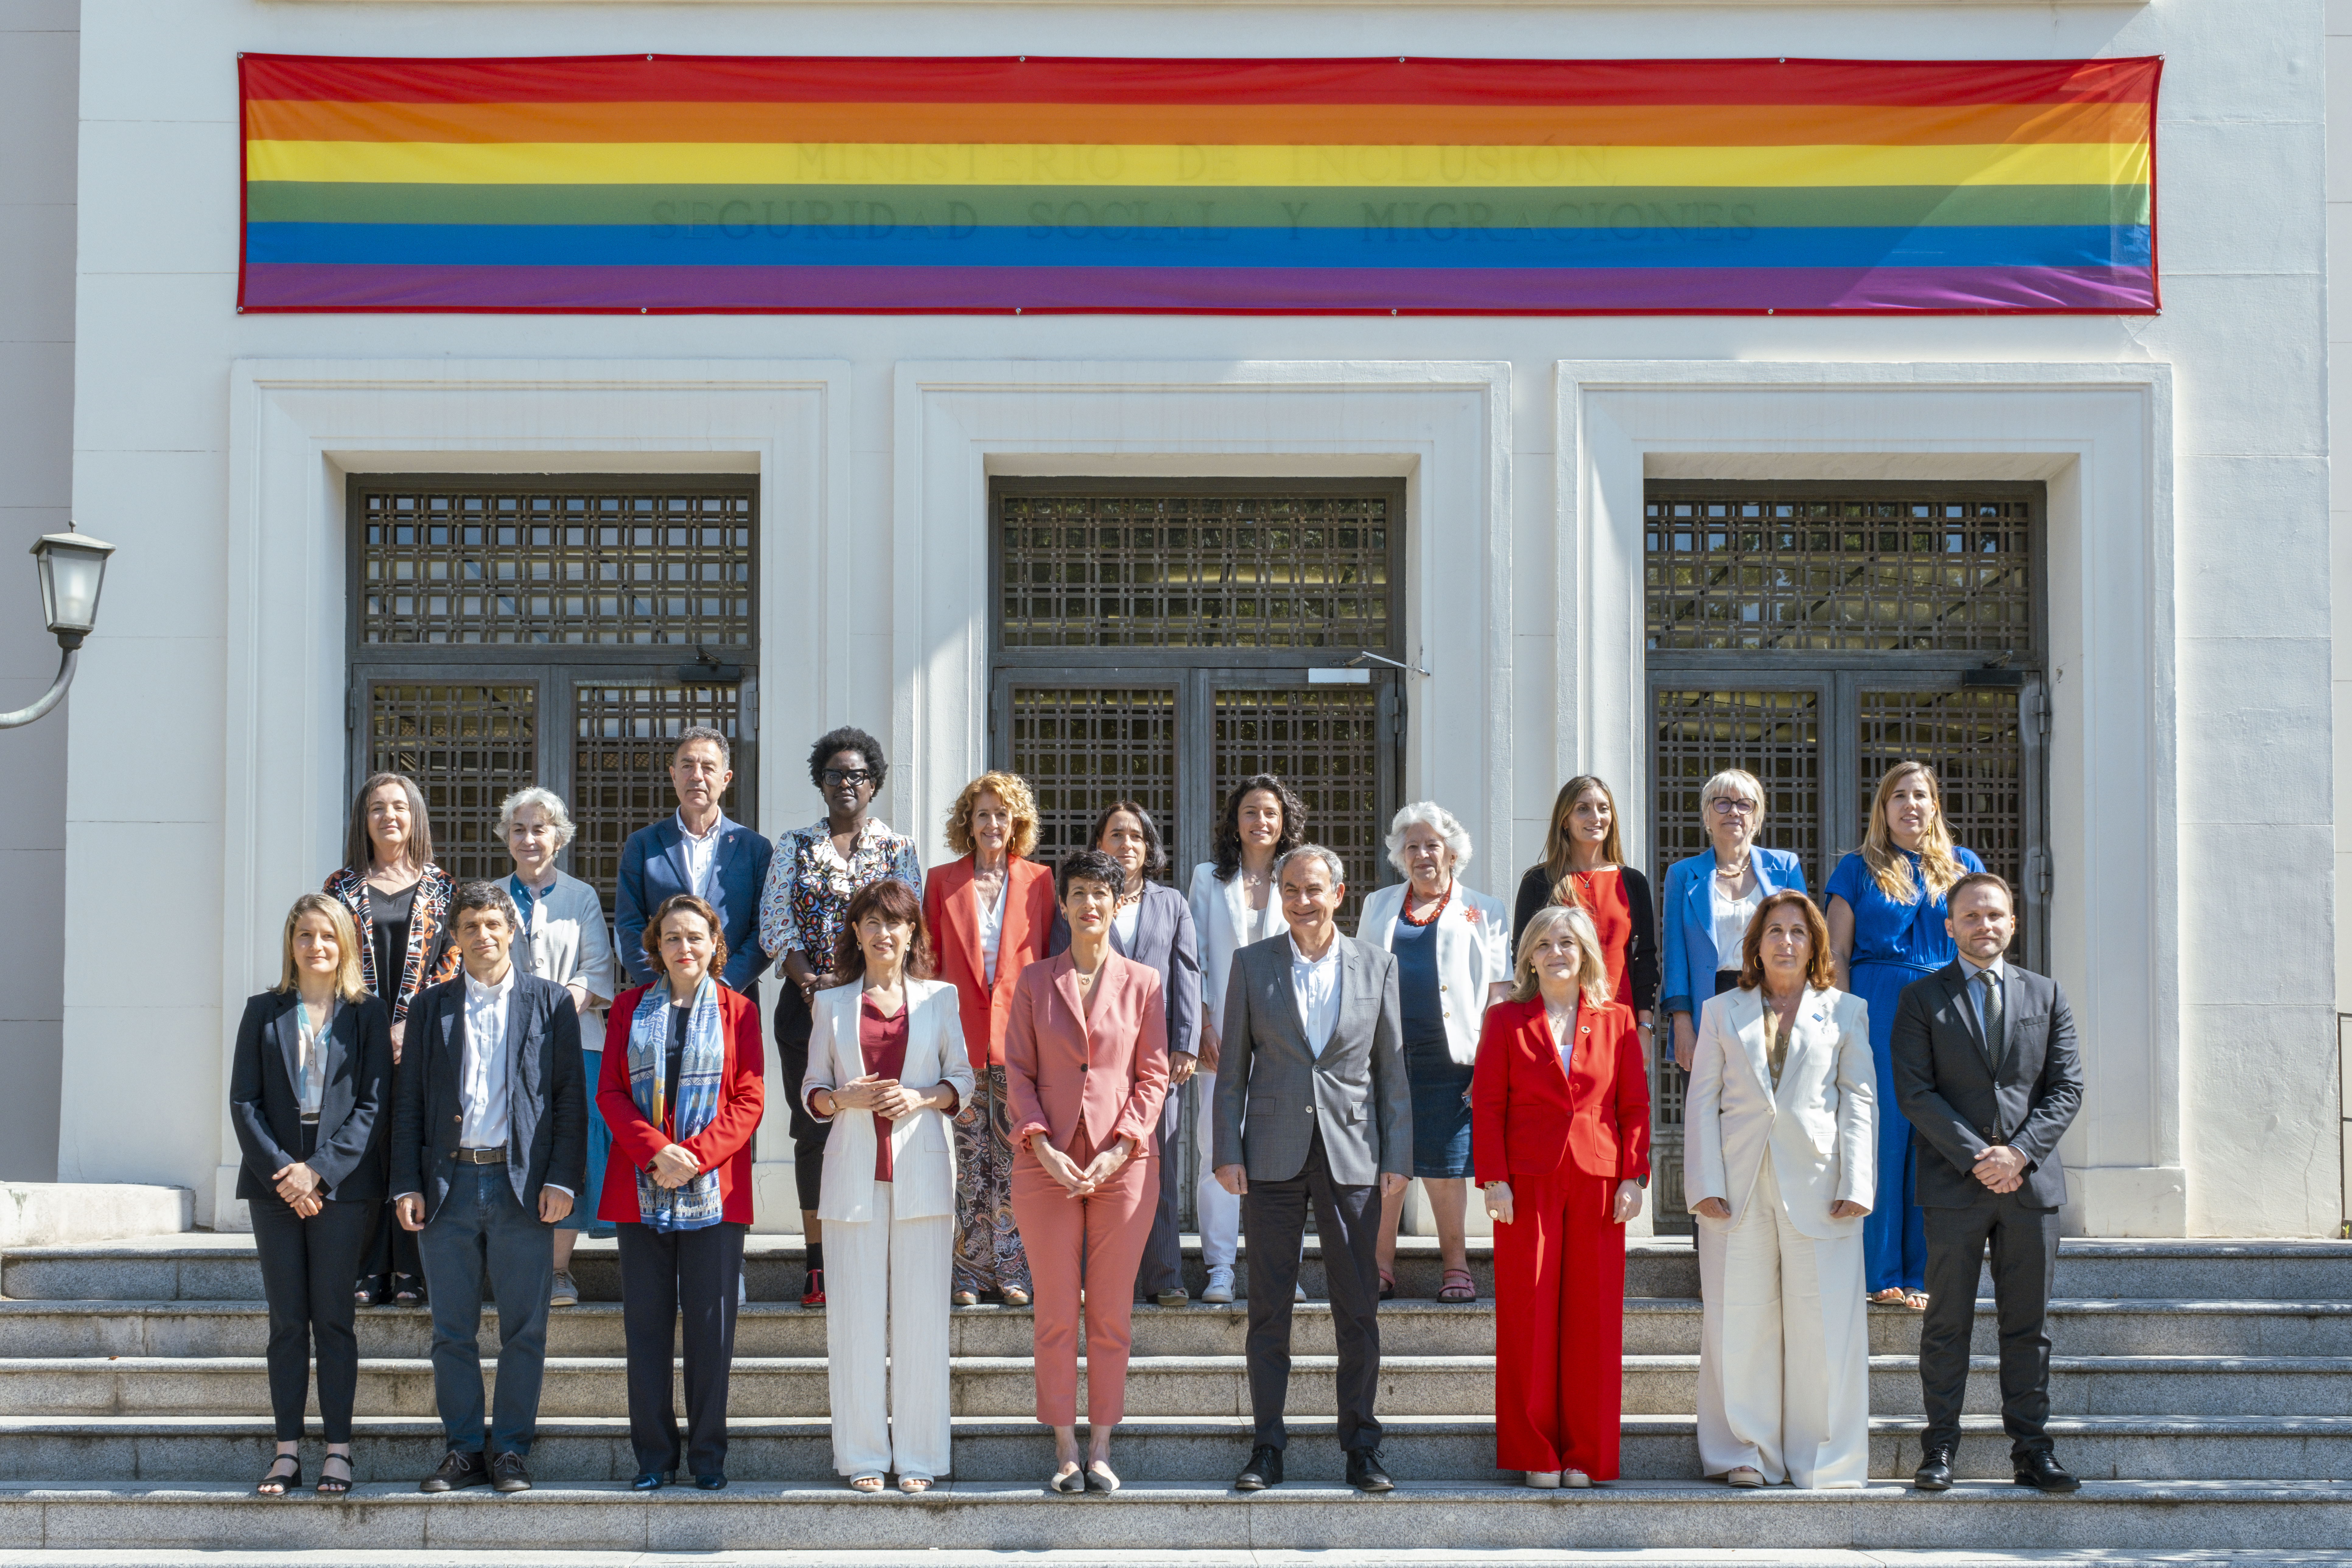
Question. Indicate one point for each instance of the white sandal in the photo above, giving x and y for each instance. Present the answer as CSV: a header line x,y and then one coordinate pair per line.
x,y
868,1483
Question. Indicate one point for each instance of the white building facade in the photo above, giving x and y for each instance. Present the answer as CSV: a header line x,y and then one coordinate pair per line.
x,y
2147,729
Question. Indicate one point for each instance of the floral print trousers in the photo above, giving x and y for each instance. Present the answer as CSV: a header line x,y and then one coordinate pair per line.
x,y
988,1255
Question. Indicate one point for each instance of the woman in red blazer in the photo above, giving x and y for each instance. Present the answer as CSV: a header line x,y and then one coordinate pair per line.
x,y
1086,1062
682,1088
1559,1139
990,915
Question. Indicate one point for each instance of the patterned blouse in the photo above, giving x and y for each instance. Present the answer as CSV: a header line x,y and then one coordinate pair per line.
x,y
810,886
427,916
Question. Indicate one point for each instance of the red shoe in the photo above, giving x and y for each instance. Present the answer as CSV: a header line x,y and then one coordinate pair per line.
x,y
813,1291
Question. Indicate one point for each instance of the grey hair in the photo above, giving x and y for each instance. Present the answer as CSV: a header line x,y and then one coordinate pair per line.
x,y
694,732
1735,782
1330,858
1447,826
550,802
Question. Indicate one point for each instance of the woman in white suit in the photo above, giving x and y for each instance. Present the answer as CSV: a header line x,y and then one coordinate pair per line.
x,y
1453,951
1780,1166
887,1066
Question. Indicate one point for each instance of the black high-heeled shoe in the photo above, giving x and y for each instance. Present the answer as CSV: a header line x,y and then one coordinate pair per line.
x,y
331,1485
272,1483
372,1290
407,1291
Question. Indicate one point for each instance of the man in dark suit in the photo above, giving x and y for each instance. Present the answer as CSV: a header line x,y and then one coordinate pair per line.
x,y
1985,1069
1313,1107
695,849
489,1146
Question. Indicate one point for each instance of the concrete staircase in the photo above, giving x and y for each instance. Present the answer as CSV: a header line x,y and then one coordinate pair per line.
x,y
2204,1389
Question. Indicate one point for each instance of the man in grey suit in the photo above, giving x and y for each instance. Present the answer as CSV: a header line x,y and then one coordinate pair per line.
x,y
1313,1108
1985,1069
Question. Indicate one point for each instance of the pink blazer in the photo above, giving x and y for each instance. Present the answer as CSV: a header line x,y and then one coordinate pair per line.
x,y
1109,1070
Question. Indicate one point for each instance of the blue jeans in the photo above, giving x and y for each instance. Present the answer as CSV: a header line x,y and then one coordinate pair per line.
x,y
482,1227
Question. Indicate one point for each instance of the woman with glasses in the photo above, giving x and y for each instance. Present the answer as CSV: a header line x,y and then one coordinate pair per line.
x,y
813,875
1583,869
1711,896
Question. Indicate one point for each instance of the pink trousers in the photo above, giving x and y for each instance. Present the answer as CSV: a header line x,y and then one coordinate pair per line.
x,y
1096,1242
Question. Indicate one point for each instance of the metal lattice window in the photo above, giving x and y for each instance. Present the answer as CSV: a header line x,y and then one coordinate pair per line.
x,y
468,747
622,735
1324,741
1946,571
1195,571
1971,738
1776,735
618,565
1082,749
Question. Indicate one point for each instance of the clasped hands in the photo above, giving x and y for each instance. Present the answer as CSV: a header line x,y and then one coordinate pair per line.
x,y
884,1097
2000,1168
298,1185
1087,1183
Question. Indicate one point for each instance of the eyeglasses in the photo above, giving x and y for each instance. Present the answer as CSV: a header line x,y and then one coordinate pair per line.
x,y
847,776
1729,805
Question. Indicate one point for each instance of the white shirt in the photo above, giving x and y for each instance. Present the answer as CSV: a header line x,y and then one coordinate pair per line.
x,y
1314,983
991,926
1124,922
1563,1035
701,856
482,1074
1731,917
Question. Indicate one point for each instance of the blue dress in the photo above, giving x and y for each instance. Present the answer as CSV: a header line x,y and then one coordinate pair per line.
x,y
1441,1088
1894,944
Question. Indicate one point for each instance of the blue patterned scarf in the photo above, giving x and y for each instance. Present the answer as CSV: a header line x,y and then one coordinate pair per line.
x,y
700,1065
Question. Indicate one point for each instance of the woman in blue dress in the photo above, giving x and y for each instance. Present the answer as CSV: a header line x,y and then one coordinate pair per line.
x,y
1886,930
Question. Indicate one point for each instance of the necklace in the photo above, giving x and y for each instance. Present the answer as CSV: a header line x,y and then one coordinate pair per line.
x,y
1443,898
1127,900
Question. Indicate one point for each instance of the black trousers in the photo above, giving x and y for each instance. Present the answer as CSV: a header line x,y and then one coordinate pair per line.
x,y
307,1269
794,1024
1347,1223
690,1275
2024,1242
386,1246
1163,1251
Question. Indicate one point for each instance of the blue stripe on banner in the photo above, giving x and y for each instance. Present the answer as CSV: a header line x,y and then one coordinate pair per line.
x,y
549,245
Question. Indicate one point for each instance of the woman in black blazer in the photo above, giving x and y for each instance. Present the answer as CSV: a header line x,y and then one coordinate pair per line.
x,y
310,1093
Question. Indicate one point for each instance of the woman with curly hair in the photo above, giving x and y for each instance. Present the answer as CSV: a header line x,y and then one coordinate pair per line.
x,y
989,916
812,878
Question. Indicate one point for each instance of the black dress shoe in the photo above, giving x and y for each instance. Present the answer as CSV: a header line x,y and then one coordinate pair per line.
x,y
651,1480
2042,1472
458,1472
1935,1474
507,1474
1364,1472
710,1483
1264,1469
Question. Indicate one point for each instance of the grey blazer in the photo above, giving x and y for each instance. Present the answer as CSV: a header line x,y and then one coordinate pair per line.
x,y
1960,1104
1273,1092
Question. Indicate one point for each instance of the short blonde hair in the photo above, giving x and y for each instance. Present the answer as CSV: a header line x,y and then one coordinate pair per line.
x,y
1013,791
1738,781
349,985
1592,967
1439,820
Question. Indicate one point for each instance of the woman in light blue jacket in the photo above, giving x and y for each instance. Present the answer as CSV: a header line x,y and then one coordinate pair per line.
x,y
1709,900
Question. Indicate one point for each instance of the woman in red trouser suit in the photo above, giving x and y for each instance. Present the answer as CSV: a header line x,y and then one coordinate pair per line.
x,y
1559,1138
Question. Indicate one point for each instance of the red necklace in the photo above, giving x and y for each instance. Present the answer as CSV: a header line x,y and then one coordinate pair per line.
x,y
1443,898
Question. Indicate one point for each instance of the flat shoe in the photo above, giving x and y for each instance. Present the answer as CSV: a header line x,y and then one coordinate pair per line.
x,y
1544,1480
913,1486
1014,1296
1458,1285
1099,1478
1746,1478
866,1483
1074,1479
964,1298
1388,1286
1576,1478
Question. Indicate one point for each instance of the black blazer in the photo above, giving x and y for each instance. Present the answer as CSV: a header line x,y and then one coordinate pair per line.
x,y
1166,944
1640,945
354,1111
1959,1105
547,1093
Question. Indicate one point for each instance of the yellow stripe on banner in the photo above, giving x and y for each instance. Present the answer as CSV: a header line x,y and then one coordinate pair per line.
x,y
889,164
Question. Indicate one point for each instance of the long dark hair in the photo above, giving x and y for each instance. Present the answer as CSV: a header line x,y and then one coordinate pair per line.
x,y
896,904
358,852
1228,851
1155,848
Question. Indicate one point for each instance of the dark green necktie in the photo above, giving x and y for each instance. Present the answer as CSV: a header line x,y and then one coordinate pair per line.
x,y
1991,1012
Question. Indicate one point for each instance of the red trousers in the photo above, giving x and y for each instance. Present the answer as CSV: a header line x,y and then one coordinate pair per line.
x,y
1560,1326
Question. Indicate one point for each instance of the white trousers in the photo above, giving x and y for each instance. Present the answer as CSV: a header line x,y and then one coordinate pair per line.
x,y
885,1333
1784,1348
1219,1211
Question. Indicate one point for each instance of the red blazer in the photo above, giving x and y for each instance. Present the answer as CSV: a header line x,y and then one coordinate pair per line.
x,y
953,918
724,1145
1527,1115
1109,1067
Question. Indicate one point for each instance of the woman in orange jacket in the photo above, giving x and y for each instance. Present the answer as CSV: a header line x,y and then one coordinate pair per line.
x,y
1559,1139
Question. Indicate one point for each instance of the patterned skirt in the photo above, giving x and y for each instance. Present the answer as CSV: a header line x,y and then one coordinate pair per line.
x,y
988,1255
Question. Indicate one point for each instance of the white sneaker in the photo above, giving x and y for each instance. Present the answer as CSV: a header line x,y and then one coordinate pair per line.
x,y
1544,1480
1298,1292
742,1291
1220,1287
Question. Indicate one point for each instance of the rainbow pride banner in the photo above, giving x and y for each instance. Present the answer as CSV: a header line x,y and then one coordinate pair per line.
x,y
1279,186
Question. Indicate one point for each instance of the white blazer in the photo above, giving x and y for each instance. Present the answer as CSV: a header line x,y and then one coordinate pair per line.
x,y
1474,941
1220,910
922,1155
1822,1128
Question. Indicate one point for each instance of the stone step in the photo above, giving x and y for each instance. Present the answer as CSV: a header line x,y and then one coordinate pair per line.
x,y
202,1265
1652,1327
2111,1517
1181,1387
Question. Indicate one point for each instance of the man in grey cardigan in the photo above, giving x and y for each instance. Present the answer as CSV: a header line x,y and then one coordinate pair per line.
x,y
1313,1108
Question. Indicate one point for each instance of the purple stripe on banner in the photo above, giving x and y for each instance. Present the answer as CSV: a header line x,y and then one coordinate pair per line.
x,y
318,285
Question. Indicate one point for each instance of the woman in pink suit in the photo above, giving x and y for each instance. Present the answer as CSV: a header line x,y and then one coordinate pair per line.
x,y
1086,1071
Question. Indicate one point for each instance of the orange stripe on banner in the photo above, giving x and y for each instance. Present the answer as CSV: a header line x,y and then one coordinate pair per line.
x,y
1698,125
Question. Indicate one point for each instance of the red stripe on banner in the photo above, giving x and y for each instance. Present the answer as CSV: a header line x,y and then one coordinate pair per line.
x,y
625,79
